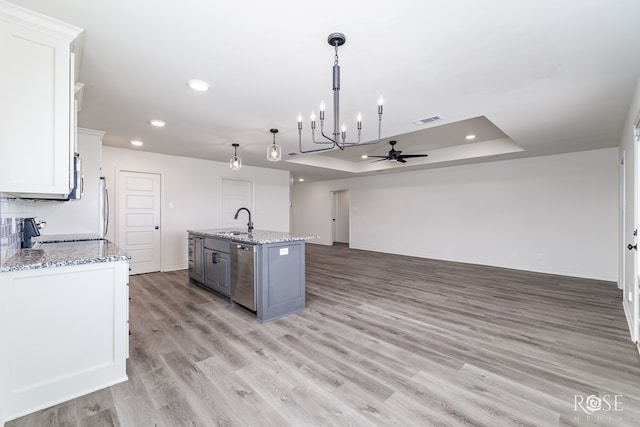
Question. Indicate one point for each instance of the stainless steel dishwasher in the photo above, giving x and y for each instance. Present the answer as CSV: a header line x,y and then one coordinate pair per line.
x,y
243,283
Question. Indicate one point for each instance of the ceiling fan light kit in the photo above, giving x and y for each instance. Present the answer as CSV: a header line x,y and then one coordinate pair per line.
x,y
339,136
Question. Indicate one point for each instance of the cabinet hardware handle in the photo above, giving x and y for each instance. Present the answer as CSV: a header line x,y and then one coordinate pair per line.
x,y
632,247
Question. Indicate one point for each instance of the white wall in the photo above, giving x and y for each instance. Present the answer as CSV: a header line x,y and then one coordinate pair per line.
x,y
193,187
554,214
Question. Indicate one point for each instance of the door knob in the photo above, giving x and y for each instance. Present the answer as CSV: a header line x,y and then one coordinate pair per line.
x,y
157,227
631,247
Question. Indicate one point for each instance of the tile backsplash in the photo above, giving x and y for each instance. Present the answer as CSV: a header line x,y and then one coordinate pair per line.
x,y
10,237
12,212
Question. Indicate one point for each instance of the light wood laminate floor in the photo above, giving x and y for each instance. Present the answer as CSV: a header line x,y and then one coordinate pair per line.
x,y
385,340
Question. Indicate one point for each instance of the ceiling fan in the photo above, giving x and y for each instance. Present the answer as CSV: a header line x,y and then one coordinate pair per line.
x,y
396,156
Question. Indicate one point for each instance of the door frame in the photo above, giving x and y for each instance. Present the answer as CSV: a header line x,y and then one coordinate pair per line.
x,y
622,200
115,215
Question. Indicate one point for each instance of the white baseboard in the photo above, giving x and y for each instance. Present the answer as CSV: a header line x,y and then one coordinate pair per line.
x,y
175,268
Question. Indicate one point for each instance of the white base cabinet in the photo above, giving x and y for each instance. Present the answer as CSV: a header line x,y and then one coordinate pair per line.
x,y
63,333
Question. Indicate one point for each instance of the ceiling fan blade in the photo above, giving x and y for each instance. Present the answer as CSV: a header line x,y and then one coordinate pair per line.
x,y
379,160
378,157
411,156
401,160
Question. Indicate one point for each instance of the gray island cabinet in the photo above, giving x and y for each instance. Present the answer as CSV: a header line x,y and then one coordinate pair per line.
x,y
263,272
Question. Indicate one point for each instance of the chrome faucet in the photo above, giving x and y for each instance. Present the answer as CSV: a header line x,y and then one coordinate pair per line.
x,y
249,224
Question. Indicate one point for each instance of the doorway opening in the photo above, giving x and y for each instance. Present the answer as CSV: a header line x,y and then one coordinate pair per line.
x,y
340,217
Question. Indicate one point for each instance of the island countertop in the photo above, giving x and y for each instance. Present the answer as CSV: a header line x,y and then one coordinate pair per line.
x,y
257,237
46,255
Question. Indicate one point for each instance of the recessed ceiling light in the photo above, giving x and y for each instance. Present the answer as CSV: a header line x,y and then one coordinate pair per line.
x,y
300,179
157,123
470,137
199,85
136,143
364,156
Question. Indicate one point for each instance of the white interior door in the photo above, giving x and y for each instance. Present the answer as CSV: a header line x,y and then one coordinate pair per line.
x,y
634,294
629,240
622,200
138,219
236,194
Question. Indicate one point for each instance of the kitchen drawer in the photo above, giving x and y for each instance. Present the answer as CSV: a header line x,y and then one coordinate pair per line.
x,y
217,245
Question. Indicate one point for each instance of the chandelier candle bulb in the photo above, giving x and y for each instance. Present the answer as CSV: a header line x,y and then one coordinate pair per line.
x,y
380,101
359,121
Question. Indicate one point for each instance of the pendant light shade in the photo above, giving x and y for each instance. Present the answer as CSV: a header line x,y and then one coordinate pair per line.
x,y
274,152
235,163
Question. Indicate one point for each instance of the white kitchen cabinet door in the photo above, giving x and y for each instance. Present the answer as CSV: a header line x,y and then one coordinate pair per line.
x,y
36,137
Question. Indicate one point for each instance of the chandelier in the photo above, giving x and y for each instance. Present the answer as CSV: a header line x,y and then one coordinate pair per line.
x,y
339,136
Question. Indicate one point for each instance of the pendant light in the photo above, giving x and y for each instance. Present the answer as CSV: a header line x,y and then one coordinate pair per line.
x,y
274,152
235,163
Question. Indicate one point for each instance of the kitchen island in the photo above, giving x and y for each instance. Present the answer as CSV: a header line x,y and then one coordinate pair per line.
x,y
262,271
64,313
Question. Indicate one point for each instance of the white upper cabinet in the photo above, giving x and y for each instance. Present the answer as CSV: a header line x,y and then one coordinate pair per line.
x,y
36,103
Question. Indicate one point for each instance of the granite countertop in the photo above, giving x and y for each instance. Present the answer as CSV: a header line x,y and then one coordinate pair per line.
x,y
59,238
257,237
45,255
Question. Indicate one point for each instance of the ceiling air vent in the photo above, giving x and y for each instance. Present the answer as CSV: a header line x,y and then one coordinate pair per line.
x,y
426,120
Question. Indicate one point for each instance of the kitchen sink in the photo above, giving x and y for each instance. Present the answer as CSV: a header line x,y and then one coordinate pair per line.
x,y
235,233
